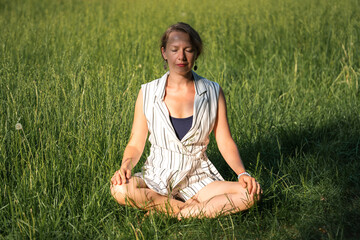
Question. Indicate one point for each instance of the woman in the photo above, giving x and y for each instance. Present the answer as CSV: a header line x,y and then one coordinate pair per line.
x,y
180,110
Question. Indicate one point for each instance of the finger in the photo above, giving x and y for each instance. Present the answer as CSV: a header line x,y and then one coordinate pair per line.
x,y
249,185
113,179
118,177
258,189
122,176
258,192
128,174
254,186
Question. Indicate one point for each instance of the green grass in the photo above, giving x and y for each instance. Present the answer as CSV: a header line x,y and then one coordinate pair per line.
x,y
70,72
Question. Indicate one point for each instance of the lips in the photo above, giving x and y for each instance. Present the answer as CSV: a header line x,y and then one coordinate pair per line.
x,y
181,65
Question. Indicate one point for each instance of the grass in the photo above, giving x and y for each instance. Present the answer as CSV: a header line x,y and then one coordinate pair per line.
x,y
70,72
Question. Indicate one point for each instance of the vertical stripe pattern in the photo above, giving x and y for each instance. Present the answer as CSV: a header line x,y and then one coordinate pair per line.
x,y
179,167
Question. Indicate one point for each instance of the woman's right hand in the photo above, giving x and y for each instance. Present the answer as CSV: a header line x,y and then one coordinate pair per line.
x,y
135,146
122,175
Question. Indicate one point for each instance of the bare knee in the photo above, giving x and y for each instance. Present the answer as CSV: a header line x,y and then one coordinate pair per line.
x,y
250,200
128,193
119,192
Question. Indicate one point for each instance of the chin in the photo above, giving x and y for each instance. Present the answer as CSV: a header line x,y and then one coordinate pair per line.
x,y
183,71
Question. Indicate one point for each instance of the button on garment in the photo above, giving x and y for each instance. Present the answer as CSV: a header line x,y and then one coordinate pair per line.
x,y
179,167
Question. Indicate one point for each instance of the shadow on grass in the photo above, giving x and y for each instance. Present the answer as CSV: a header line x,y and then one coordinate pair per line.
x,y
310,174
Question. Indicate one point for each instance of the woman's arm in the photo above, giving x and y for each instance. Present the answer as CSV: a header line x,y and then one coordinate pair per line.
x,y
227,146
135,146
224,140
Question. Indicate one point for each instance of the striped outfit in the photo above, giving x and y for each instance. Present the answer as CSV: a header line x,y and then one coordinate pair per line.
x,y
179,168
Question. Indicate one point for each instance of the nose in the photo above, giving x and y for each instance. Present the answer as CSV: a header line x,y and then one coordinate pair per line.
x,y
182,55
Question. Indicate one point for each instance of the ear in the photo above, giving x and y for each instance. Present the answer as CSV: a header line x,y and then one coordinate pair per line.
x,y
163,53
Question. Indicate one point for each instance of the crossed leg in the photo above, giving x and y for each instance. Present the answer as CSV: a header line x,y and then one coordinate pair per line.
x,y
135,193
219,197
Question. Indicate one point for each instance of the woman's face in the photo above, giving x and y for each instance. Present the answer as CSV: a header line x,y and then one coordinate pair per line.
x,y
179,53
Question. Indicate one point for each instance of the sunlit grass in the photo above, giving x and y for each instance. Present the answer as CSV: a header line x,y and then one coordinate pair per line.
x,y
69,75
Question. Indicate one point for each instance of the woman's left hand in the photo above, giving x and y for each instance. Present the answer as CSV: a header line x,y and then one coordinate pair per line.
x,y
250,184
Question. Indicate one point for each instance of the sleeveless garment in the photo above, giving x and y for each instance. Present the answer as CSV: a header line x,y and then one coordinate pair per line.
x,y
179,168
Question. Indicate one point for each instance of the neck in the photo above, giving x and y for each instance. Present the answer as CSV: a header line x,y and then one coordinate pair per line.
x,y
178,80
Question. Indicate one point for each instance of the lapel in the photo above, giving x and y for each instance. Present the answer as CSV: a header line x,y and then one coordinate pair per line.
x,y
161,106
199,108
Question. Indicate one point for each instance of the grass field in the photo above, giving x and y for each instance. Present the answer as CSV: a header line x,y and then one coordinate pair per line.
x,y
70,71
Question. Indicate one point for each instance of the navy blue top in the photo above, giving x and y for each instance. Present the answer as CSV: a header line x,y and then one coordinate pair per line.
x,y
181,125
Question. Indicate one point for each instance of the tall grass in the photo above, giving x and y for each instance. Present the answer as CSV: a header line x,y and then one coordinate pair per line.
x,y
70,72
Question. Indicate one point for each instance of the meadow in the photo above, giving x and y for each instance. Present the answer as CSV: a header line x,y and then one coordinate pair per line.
x,y
70,71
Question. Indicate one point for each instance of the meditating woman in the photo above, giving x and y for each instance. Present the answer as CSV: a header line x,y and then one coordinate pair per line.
x,y
179,111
